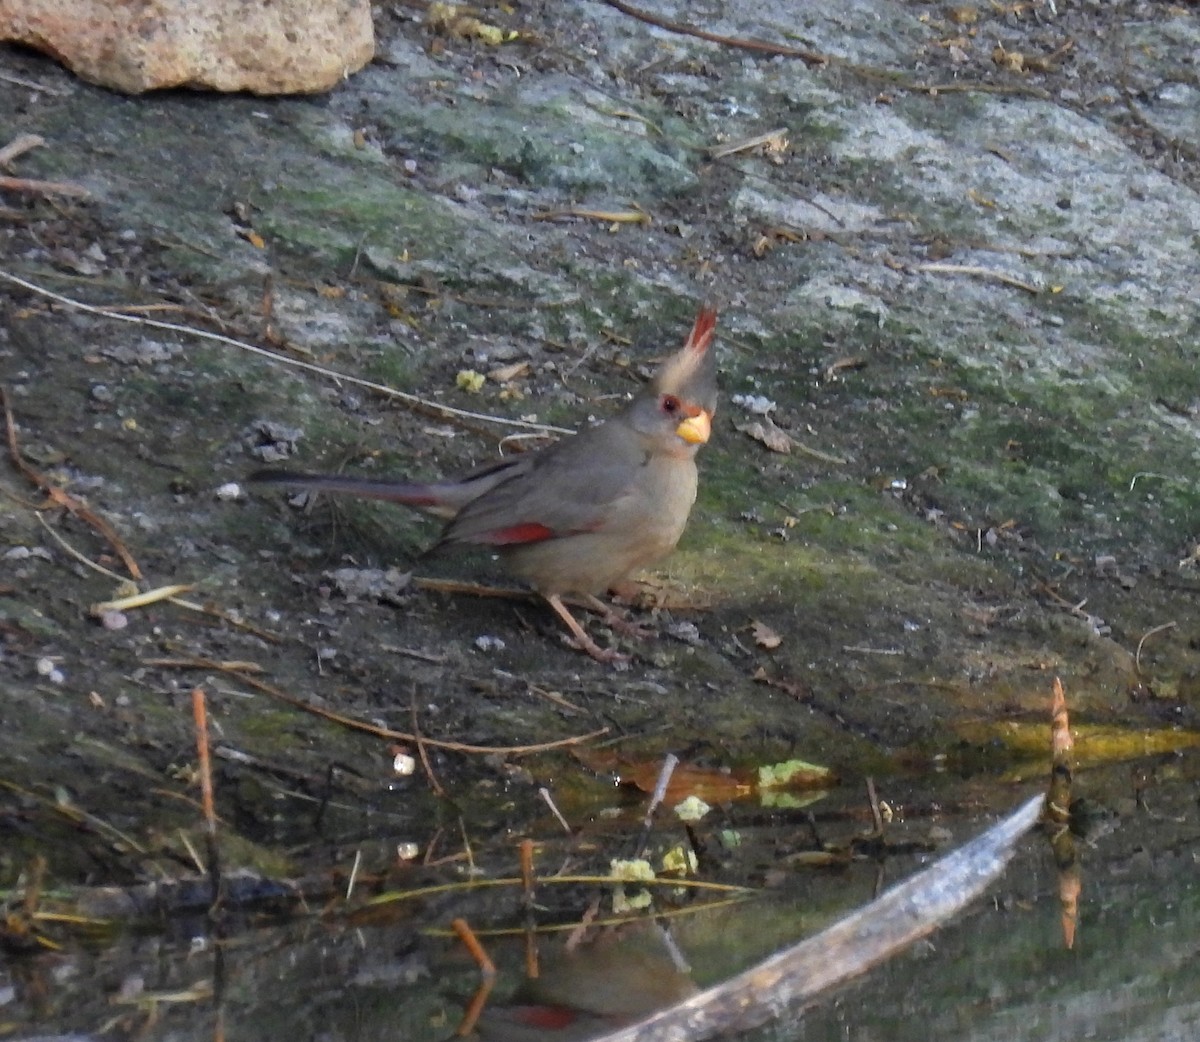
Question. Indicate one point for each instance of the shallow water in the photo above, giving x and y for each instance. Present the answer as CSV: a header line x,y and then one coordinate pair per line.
x,y
998,971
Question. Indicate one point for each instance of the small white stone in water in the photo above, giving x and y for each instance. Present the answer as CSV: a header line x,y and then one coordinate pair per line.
x,y
18,553
404,764
45,666
231,490
114,620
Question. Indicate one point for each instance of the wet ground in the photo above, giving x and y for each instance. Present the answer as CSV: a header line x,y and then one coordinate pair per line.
x,y
988,481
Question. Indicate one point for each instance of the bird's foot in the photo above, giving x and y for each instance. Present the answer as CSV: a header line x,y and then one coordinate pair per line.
x,y
627,627
579,638
619,621
609,656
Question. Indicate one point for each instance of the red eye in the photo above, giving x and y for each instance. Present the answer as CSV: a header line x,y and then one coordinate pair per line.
x,y
670,404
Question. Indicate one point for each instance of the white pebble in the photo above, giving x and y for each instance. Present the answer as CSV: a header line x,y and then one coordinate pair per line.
x,y
755,404
486,643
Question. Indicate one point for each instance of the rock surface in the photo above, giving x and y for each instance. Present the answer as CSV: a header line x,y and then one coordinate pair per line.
x,y
284,47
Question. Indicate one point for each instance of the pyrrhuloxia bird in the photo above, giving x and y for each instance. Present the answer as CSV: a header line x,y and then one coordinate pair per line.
x,y
583,514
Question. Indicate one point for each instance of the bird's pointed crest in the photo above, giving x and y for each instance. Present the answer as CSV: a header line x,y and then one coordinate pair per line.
x,y
691,372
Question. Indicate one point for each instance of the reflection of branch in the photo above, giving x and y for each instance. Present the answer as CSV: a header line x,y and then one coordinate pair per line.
x,y
1058,814
850,947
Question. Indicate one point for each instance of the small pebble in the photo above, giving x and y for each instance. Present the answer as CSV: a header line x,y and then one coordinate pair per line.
x,y
231,490
756,404
114,620
486,643
688,632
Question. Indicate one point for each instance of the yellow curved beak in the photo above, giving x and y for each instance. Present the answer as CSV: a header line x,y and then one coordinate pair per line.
x,y
695,430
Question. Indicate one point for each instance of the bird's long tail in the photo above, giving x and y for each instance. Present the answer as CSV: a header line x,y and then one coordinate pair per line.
x,y
443,499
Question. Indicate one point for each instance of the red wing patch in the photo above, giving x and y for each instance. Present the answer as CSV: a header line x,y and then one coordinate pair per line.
x,y
526,532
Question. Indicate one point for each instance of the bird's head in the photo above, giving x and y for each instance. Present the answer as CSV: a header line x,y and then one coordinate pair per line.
x,y
678,406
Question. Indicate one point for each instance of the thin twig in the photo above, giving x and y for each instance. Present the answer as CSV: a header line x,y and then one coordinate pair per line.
x,y
179,602
18,81
274,356
544,793
204,762
1137,658
978,272
354,873
670,762
32,186
876,813
487,970
140,600
806,56
420,656
81,558
462,828
60,496
422,751
18,146
895,78
241,670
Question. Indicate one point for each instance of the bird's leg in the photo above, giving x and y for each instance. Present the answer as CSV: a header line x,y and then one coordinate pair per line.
x,y
620,622
582,641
